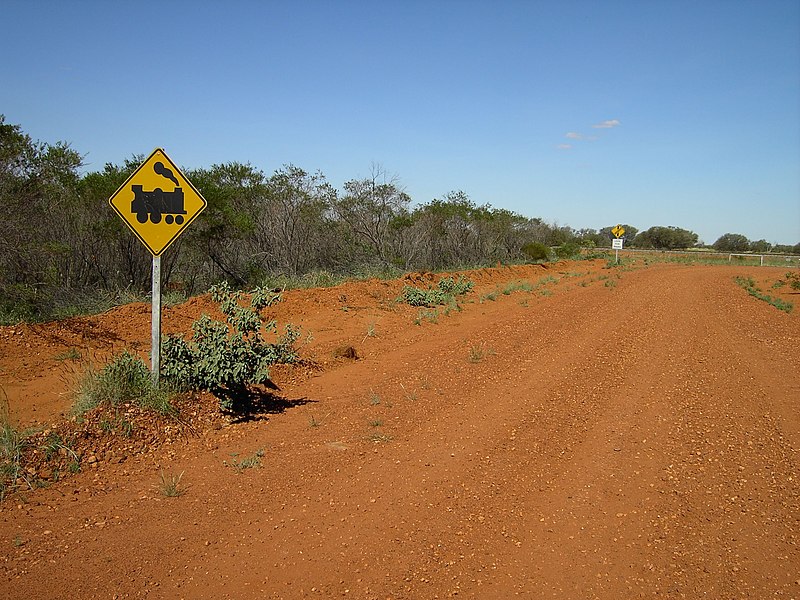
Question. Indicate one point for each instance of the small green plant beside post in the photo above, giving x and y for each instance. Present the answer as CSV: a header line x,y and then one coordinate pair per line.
x,y
227,357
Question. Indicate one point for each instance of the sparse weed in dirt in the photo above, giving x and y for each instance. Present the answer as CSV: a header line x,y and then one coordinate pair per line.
x,y
546,280
371,330
170,485
249,462
791,278
584,283
374,399
377,437
427,314
71,354
517,286
55,444
125,379
411,396
376,423
611,283
546,292
451,306
478,352
313,422
492,296
120,424
750,286
126,427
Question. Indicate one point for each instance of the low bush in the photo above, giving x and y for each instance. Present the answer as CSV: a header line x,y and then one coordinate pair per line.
x,y
226,358
568,250
445,292
536,252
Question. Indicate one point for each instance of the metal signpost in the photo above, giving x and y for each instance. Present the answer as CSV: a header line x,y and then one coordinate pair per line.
x,y
616,244
158,203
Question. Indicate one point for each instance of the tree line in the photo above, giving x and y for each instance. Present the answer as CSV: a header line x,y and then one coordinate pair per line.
x,y
59,238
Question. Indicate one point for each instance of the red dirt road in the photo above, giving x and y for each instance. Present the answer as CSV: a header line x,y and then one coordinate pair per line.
x,y
624,440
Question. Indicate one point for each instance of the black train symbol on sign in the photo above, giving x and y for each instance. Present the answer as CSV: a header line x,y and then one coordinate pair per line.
x,y
155,203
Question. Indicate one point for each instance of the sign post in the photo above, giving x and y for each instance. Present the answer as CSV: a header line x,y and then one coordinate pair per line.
x,y
155,329
157,203
616,243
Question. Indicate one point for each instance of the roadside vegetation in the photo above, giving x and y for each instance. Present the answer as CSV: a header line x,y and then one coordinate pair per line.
x,y
65,252
124,380
447,291
228,358
749,284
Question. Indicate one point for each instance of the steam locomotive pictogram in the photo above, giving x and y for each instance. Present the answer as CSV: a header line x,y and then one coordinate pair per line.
x,y
156,203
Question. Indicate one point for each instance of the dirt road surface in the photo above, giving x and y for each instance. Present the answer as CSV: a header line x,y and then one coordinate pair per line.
x,y
608,434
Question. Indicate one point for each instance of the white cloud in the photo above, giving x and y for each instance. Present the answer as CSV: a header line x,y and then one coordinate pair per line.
x,y
574,136
564,146
607,124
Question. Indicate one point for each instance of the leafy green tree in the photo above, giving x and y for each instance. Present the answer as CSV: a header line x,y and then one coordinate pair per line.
x,y
732,242
218,245
666,238
760,246
786,249
367,210
292,226
536,252
37,181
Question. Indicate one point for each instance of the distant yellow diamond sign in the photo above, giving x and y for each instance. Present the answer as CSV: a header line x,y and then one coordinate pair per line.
x,y
618,231
157,202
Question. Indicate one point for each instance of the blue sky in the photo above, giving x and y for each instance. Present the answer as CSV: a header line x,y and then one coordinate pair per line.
x,y
581,113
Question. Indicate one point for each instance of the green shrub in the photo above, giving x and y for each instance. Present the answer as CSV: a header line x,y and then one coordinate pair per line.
x,y
227,357
444,293
793,279
534,252
568,250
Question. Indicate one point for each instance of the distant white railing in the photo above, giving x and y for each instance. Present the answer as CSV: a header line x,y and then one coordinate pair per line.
x,y
761,256
771,259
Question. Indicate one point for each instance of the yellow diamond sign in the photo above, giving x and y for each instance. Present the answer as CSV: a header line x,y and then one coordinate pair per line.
x,y
618,231
157,202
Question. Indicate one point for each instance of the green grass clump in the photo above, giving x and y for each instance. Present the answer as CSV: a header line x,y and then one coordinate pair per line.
x,y
517,286
250,462
750,286
431,315
12,443
170,485
445,292
126,379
